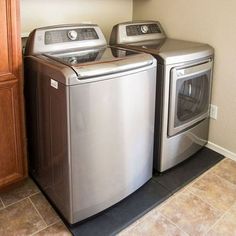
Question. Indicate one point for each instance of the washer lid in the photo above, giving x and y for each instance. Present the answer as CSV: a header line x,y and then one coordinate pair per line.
x,y
102,61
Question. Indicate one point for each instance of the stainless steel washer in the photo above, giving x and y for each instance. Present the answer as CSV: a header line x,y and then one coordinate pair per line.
x,y
184,78
90,118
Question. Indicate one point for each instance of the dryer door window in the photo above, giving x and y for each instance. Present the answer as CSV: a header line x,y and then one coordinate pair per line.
x,y
192,98
189,97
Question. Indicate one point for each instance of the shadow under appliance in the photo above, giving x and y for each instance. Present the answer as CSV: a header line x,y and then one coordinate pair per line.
x,y
184,77
90,118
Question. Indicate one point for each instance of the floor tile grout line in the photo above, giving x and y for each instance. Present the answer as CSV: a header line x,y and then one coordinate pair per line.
x,y
38,211
215,208
199,177
202,175
38,231
155,209
128,228
140,220
16,202
59,220
143,218
224,179
2,204
167,218
5,205
34,193
221,217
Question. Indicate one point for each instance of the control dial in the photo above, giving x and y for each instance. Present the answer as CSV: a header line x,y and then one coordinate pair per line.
x,y
144,29
73,60
72,34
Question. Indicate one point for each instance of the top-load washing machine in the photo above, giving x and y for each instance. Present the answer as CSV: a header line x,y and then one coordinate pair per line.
x,y
90,118
184,78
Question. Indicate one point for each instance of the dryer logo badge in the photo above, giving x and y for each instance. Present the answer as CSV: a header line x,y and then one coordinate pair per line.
x,y
54,83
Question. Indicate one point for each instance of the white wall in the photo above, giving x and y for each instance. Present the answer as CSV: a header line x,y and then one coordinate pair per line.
x,y
105,13
213,22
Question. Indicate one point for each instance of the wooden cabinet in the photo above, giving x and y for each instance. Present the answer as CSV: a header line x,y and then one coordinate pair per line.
x,y
12,130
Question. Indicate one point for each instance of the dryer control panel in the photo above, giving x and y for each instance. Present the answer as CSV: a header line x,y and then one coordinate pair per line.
x,y
140,29
137,31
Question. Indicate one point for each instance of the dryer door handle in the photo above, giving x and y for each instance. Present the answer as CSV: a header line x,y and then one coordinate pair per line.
x,y
193,70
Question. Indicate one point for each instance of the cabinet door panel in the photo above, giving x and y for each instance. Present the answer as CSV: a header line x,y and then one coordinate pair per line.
x,y
12,132
11,162
4,62
10,43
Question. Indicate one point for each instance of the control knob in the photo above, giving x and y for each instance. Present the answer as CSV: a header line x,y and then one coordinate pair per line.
x,y
73,60
72,34
144,29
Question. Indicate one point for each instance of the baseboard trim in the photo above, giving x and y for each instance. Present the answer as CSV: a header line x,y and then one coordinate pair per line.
x,y
221,150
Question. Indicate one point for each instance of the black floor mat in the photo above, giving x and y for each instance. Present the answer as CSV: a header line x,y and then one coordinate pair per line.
x,y
184,173
122,214
155,191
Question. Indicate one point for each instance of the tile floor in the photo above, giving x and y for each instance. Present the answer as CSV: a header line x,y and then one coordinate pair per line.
x,y
25,211
207,206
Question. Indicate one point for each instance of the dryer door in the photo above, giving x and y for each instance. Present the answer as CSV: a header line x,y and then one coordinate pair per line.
x,y
190,90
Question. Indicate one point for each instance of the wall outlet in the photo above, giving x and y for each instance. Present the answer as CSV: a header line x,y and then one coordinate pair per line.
x,y
213,111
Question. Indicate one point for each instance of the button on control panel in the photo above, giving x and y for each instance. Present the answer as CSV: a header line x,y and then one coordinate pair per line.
x,y
134,30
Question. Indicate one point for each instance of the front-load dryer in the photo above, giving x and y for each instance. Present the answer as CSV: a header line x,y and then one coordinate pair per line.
x,y
184,78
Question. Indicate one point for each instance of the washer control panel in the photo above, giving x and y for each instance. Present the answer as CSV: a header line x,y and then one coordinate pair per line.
x,y
64,37
77,34
140,29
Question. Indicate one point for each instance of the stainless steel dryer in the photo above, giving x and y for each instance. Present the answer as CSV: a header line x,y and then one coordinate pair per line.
x,y
184,77
90,118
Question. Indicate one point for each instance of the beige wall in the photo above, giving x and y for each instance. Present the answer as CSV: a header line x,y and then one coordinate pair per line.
x,y
213,22
105,13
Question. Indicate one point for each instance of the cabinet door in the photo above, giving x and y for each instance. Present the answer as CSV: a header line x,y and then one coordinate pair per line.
x,y
11,163
10,48
12,134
